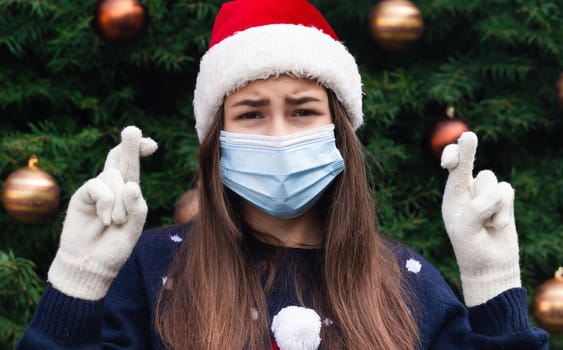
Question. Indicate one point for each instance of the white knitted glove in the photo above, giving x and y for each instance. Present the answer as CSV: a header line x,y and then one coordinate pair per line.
x,y
479,219
104,219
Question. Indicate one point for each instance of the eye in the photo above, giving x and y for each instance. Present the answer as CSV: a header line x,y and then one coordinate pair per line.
x,y
249,115
304,112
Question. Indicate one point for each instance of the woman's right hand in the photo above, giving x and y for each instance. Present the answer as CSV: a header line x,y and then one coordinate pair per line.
x,y
104,219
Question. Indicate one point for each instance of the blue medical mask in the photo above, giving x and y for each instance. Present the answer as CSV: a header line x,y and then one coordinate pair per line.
x,y
282,176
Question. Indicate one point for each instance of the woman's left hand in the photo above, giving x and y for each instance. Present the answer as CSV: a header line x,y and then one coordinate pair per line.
x,y
478,214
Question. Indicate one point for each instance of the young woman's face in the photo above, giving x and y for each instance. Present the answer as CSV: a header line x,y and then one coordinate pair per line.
x,y
277,107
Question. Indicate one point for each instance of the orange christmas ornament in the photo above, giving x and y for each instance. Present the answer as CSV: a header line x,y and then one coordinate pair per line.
x,y
186,207
30,195
560,90
547,304
446,131
120,21
396,24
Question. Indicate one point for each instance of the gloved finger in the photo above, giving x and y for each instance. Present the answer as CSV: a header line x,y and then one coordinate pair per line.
x,y
148,146
480,210
458,190
450,156
484,181
129,160
136,207
94,198
112,179
133,147
125,156
505,214
466,147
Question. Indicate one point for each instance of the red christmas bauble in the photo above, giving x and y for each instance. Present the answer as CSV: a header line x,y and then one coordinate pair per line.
x,y
396,24
547,304
444,132
120,21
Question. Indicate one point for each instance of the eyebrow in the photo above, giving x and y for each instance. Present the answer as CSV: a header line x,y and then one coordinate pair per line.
x,y
252,103
301,100
264,102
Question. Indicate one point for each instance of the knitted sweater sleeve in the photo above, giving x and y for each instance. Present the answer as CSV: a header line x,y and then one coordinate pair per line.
x,y
62,322
120,321
446,323
501,323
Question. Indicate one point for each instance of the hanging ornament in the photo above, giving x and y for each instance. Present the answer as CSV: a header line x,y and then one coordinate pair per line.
x,y
547,304
120,21
445,131
30,195
396,24
186,207
560,90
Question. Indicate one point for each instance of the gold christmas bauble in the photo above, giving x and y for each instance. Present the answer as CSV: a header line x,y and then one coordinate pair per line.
x,y
396,24
120,21
547,304
30,195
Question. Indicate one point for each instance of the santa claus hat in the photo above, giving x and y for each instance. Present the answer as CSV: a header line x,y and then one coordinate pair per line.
x,y
257,39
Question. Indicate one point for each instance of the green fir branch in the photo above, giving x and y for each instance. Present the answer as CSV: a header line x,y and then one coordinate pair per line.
x,y
511,114
161,57
201,10
65,94
453,81
47,142
10,331
434,8
73,47
19,88
38,8
20,289
507,29
498,67
389,94
17,35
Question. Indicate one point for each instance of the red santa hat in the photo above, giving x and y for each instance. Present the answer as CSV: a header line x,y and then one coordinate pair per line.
x,y
257,39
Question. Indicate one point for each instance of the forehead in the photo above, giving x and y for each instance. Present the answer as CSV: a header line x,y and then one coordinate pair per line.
x,y
280,84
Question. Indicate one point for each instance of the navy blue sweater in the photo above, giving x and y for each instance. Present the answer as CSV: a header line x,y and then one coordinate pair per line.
x,y
122,320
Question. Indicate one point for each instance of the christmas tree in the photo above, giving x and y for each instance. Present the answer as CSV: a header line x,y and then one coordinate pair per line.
x,y
66,93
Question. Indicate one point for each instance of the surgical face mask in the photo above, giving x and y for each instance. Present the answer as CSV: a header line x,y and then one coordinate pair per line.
x,y
282,176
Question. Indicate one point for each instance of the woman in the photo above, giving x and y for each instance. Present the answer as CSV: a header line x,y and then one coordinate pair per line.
x,y
286,218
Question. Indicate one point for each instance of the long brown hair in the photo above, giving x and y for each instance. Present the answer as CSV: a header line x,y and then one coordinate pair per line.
x,y
217,300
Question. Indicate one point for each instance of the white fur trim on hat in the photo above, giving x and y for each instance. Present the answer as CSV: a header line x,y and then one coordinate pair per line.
x,y
273,50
